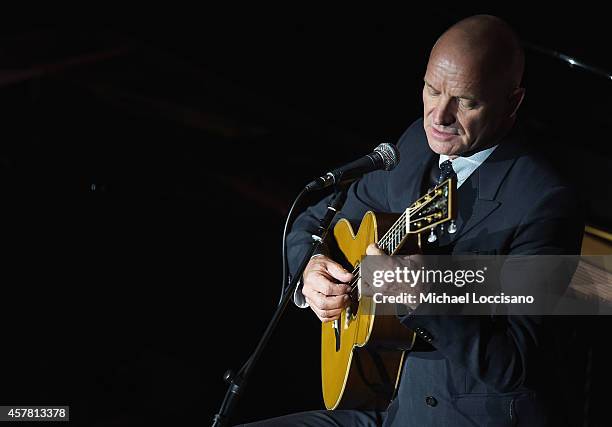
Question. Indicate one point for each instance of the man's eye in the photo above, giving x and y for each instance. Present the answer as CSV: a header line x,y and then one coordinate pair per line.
x,y
467,104
433,92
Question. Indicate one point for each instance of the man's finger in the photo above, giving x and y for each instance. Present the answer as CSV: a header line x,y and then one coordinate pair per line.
x,y
323,285
338,272
329,314
324,316
373,249
323,302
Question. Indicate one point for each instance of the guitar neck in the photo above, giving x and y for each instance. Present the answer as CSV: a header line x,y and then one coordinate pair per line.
x,y
435,207
393,239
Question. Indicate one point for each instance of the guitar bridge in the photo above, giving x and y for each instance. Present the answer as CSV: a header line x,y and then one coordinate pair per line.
x,y
336,327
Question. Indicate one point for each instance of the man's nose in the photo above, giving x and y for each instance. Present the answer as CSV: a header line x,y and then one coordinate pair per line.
x,y
444,113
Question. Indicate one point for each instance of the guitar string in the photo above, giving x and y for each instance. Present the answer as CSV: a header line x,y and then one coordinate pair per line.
x,y
384,241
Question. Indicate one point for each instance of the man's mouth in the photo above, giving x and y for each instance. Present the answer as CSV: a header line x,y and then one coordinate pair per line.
x,y
442,135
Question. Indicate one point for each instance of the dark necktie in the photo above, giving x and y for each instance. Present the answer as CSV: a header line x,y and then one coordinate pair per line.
x,y
436,175
446,171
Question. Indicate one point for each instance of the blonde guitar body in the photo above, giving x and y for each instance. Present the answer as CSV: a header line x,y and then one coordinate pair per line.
x,y
361,353
359,371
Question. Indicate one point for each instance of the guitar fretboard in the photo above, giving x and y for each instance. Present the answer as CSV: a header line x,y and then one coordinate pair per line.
x,y
428,211
393,238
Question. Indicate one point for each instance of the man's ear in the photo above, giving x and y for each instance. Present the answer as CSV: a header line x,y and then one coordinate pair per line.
x,y
515,100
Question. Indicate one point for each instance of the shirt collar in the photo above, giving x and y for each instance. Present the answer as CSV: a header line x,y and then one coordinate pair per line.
x,y
465,166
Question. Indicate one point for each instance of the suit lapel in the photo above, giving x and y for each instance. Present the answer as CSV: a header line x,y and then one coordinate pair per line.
x,y
477,195
471,214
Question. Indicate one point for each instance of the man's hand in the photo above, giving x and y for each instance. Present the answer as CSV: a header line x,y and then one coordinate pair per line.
x,y
373,249
390,264
325,289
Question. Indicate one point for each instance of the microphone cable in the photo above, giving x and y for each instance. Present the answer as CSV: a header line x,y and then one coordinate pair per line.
x,y
285,278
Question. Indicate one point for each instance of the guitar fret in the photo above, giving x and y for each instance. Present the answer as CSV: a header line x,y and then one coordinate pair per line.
x,y
392,239
399,228
398,238
381,243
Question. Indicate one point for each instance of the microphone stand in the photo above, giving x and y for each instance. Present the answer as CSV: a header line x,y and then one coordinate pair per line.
x,y
238,381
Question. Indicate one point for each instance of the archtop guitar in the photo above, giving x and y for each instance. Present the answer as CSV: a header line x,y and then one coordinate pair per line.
x,y
362,354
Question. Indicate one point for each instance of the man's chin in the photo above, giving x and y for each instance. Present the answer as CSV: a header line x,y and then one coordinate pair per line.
x,y
448,148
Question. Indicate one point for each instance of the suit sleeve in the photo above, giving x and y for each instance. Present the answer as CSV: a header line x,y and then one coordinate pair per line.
x,y
367,194
500,350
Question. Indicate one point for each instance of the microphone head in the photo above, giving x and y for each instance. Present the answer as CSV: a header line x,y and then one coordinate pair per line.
x,y
389,155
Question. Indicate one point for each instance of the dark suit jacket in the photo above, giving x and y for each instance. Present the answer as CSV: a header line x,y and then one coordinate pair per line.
x,y
479,370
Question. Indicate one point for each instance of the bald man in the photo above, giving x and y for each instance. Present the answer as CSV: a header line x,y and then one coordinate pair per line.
x,y
468,371
472,86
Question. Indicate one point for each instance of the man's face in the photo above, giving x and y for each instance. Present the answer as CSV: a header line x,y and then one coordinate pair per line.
x,y
462,111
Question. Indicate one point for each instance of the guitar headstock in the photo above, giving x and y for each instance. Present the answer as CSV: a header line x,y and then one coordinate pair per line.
x,y
435,207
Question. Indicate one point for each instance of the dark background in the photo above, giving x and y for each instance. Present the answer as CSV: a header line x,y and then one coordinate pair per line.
x,y
147,165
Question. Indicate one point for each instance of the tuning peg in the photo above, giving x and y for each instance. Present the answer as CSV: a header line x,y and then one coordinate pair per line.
x,y
432,237
452,228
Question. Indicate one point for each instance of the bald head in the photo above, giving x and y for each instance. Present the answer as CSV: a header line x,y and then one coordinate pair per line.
x,y
485,44
472,86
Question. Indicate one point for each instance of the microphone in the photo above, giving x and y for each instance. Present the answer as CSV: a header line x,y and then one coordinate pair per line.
x,y
385,156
